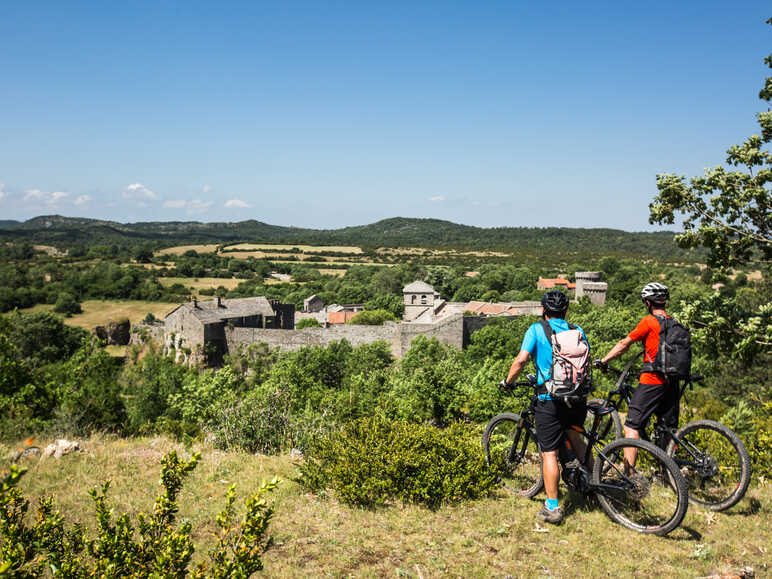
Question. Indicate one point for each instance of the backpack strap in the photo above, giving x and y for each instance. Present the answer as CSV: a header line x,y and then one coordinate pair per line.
x,y
663,327
548,331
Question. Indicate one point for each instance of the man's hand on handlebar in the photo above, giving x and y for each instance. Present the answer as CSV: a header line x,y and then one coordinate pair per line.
x,y
600,365
506,386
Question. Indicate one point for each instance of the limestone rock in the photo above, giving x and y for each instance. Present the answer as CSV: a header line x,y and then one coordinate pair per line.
x,y
61,447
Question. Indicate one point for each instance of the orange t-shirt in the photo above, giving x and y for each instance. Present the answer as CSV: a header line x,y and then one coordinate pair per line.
x,y
647,331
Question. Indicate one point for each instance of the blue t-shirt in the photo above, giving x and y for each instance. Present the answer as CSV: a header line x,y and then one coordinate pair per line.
x,y
535,342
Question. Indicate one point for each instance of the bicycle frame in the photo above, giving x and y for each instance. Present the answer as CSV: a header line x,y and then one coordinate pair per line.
x,y
591,438
624,392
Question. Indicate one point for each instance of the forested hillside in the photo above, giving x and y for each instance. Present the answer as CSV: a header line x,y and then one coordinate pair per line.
x,y
396,232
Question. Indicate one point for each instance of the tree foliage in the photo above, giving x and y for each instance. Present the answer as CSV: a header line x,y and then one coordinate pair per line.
x,y
727,210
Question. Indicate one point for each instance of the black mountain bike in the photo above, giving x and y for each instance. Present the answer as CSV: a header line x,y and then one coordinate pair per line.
x,y
650,497
709,454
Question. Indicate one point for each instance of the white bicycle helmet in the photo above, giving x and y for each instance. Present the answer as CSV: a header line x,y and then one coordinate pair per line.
x,y
655,292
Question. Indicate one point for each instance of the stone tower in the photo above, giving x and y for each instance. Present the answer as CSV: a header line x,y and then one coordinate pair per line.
x,y
588,284
418,297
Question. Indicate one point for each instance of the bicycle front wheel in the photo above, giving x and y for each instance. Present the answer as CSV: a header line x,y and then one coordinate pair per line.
x,y
511,451
648,496
714,463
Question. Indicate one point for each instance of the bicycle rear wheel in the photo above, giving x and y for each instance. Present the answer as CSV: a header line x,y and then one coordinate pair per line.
x,y
511,451
714,463
649,497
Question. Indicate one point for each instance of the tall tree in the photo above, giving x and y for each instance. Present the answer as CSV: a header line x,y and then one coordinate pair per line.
x,y
727,210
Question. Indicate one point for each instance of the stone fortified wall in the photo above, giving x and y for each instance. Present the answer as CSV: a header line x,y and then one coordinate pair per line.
x,y
288,340
454,331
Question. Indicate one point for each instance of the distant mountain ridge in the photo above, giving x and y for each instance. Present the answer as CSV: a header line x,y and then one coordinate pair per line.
x,y
392,232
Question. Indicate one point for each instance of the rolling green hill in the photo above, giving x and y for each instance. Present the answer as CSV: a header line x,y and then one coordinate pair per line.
x,y
394,232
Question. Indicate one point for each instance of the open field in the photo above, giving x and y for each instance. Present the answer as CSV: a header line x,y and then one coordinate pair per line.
x,y
50,250
98,312
198,283
322,537
180,249
301,248
335,272
402,251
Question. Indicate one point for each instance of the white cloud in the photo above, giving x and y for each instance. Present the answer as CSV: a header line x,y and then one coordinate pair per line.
x,y
192,206
82,200
54,198
138,192
51,199
237,204
206,188
2,191
437,198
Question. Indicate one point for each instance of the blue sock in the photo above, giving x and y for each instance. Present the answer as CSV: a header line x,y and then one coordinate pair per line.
x,y
551,504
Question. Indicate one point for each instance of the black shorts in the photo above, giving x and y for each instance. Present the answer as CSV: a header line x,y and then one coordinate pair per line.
x,y
648,399
552,418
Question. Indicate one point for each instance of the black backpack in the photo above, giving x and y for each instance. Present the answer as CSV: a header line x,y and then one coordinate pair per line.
x,y
674,355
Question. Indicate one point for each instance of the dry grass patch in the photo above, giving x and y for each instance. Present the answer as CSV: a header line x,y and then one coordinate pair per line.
x,y
334,272
50,250
180,249
318,536
100,312
301,248
199,283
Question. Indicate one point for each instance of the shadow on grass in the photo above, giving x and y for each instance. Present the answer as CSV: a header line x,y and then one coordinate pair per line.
x,y
748,507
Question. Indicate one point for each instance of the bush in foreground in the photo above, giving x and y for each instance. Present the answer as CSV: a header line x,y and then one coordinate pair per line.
x,y
156,547
373,461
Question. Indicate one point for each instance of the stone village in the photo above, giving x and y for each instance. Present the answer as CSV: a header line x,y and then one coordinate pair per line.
x,y
218,326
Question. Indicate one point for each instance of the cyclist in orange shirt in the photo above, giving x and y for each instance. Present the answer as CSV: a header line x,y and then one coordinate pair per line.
x,y
655,394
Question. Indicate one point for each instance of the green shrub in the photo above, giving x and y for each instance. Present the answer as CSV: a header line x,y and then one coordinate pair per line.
x,y
148,387
41,337
88,391
308,323
374,461
67,304
200,400
25,400
372,318
155,547
430,383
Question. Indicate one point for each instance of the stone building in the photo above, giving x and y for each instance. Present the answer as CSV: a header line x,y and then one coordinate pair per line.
x,y
560,282
588,284
313,304
195,329
421,301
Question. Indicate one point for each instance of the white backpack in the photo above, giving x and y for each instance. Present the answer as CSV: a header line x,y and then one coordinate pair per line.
x,y
571,369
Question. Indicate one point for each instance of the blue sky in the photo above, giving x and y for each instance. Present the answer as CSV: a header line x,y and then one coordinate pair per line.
x,y
327,114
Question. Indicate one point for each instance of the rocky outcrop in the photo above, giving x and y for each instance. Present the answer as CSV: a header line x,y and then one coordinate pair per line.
x,y
115,333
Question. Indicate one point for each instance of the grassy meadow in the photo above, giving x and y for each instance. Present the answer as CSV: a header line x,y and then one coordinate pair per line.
x,y
199,283
318,536
99,312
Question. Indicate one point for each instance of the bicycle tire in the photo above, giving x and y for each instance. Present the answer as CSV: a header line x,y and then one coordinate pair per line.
x,y
718,477
610,427
650,497
510,448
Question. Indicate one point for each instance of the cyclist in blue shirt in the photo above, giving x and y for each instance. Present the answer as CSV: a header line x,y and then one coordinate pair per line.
x,y
553,418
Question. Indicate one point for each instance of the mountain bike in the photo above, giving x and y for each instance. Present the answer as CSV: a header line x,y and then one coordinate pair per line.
x,y
650,497
709,454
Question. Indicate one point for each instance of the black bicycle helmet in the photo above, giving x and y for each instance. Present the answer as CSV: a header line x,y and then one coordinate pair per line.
x,y
655,292
555,302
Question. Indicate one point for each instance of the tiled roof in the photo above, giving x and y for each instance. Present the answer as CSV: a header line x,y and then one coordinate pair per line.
x,y
209,312
418,287
551,282
340,317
